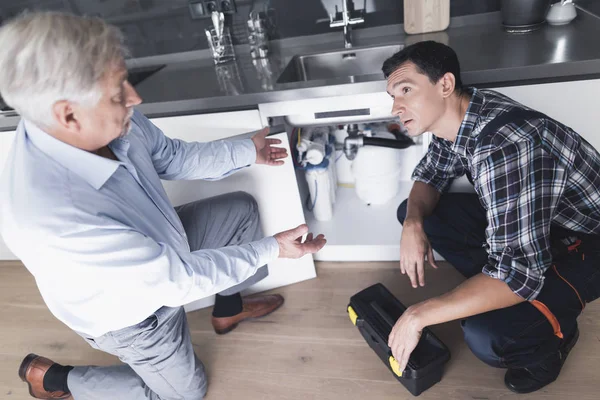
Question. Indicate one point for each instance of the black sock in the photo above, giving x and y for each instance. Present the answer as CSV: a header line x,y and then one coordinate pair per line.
x,y
55,379
227,306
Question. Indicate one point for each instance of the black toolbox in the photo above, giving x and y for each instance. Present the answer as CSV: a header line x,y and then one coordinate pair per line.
x,y
374,311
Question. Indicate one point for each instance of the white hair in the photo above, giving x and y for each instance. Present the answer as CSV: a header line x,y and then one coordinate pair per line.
x,y
47,57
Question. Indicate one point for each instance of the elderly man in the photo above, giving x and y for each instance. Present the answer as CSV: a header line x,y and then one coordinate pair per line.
x,y
527,239
83,207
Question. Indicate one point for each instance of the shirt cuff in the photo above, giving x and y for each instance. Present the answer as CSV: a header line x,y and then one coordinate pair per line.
x,y
523,284
439,185
244,153
267,250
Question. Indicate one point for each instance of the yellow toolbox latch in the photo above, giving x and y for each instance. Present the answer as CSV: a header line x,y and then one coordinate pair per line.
x,y
395,366
352,314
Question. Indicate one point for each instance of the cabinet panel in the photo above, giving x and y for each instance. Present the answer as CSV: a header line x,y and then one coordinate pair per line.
x,y
207,127
361,233
574,104
6,141
274,188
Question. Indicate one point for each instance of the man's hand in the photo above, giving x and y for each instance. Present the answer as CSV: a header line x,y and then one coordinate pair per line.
x,y
413,247
291,246
474,296
404,337
266,153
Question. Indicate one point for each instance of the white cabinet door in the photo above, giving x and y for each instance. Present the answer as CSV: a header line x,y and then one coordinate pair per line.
x,y
574,104
6,140
274,188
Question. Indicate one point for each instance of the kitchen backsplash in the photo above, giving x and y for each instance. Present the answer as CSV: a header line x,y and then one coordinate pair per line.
x,y
155,27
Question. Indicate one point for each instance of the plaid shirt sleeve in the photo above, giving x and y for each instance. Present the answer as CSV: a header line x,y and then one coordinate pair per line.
x,y
520,186
439,166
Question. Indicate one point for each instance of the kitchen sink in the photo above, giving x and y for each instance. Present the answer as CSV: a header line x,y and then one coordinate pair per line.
x,y
337,64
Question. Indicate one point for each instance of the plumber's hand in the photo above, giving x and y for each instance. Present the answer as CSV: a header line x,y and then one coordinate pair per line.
x,y
414,245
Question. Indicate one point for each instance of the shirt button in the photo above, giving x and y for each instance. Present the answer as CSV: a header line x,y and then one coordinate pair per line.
x,y
508,250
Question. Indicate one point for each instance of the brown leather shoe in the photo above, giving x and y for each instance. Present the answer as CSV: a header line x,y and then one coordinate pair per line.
x,y
253,307
32,370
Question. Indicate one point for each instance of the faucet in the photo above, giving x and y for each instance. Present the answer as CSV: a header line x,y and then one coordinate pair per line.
x,y
346,19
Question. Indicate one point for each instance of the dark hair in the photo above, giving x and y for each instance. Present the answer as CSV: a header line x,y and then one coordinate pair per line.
x,y
432,59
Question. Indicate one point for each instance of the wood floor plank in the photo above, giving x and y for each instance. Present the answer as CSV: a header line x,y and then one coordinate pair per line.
x,y
308,349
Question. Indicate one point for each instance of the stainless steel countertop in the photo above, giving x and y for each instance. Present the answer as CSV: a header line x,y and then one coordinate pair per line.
x,y
488,55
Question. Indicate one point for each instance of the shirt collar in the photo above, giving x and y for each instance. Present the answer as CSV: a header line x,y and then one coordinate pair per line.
x,y
96,170
461,143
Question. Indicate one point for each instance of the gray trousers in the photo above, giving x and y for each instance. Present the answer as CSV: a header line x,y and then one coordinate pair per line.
x,y
158,353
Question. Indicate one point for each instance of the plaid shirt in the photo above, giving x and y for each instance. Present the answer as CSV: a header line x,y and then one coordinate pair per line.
x,y
529,175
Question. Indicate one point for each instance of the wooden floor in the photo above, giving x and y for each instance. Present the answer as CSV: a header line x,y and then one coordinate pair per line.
x,y
307,350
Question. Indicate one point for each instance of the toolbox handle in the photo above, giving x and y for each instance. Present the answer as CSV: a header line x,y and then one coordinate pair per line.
x,y
383,314
392,361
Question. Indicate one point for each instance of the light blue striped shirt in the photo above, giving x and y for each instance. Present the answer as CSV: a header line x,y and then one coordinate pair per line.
x,y
100,236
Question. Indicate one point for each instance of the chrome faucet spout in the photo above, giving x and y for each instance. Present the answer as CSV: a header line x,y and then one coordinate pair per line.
x,y
348,17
